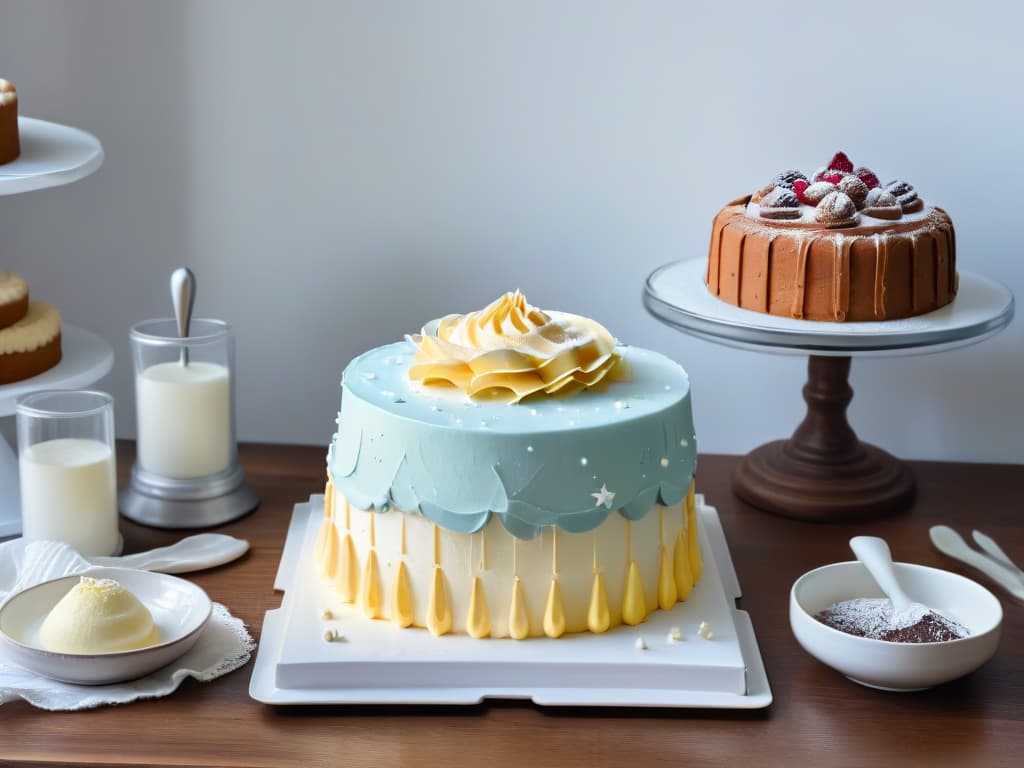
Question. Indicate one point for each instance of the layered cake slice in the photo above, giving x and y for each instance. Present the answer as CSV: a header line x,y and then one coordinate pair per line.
x,y
511,473
837,245
30,332
13,298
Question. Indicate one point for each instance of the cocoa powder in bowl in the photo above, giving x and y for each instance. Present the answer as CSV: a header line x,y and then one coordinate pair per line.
x,y
873,618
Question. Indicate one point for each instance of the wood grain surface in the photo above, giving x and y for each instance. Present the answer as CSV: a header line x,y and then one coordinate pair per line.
x,y
818,718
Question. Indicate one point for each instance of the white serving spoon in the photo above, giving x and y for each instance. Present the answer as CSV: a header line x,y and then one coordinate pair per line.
x,y
989,545
874,554
193,553
951,543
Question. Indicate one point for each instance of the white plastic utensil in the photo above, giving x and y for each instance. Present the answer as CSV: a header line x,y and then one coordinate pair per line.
x,y
874,555
988,544
193,553
951,543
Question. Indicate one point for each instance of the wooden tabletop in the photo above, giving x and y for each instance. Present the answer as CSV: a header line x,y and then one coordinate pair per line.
x,y
818,717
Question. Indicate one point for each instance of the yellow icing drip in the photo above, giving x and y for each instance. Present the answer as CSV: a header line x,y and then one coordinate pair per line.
x,y
478,621
373,529
329,498
369,591
598,616
326,552
401,597
696,564
437,545
667,592
518,615
510,350
347,579
554,612
483,550
681,569
348,516
403,549
439,612
554,551
634,607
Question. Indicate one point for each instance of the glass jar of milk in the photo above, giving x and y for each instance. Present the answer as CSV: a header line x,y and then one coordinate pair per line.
x,y
68,471
183,395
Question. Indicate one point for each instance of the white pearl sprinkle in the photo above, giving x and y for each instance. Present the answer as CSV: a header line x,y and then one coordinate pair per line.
x,y
668,388
583,461
684,443
483,423
675,635
533,411
704,630
618,403
529,449
330,635
664,462
326,614
640,644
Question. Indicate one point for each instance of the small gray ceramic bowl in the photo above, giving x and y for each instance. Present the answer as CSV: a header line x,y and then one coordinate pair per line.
x,y
896,666
180,612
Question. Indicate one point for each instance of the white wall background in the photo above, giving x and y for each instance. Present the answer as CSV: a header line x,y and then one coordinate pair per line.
x,y
337,173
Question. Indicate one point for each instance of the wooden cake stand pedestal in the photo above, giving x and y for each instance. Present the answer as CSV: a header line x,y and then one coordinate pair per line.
x,y
823,472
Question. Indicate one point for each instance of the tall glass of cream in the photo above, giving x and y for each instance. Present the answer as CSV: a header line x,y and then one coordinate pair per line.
x,y
67,467
183,399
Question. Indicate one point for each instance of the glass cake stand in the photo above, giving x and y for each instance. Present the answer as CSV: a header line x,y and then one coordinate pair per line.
x,y
823,472
51,155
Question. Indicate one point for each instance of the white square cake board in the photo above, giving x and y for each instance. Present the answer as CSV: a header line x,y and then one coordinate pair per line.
x,y
378,664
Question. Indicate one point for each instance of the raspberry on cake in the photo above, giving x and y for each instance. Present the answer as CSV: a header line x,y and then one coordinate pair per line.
x,y
849,249
511,473
10,145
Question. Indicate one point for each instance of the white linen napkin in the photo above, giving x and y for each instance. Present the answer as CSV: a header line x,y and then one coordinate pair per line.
x,y
224,646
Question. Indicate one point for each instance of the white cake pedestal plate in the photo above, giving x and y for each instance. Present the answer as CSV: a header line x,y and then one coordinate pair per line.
x,y
51,155
823,472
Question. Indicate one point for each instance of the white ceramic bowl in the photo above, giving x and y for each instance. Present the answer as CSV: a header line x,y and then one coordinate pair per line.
x,y
896,666
180,612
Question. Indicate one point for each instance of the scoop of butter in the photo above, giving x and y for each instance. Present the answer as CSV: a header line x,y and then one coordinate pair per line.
x,y
98,616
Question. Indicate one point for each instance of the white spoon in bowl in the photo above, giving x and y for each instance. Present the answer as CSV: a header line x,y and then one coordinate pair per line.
x,y
874,554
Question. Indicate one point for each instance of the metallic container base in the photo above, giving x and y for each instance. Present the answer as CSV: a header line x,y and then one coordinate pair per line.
x,y
162,502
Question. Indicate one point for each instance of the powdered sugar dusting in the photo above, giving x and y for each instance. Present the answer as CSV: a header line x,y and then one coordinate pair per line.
x,y
875,618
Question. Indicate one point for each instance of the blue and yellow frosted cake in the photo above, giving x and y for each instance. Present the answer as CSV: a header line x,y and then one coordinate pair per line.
x,y
511,473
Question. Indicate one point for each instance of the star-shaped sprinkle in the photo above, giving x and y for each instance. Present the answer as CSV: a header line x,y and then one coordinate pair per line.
x,y
604,496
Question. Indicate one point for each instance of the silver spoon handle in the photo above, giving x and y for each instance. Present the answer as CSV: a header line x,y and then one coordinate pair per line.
x,y
183,297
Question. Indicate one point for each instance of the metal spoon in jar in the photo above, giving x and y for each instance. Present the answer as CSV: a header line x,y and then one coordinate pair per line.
x,y
183,297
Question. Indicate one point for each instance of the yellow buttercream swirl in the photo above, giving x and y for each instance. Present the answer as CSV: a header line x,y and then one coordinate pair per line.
x,y
511,350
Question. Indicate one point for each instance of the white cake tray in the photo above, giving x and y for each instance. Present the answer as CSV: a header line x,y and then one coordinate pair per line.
x,y
378,664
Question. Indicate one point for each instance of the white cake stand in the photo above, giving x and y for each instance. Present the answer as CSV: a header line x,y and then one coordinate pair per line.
x,y
51,155
823,472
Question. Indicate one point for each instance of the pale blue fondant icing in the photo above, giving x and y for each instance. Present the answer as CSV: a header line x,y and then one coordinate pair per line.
x,y
533,464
